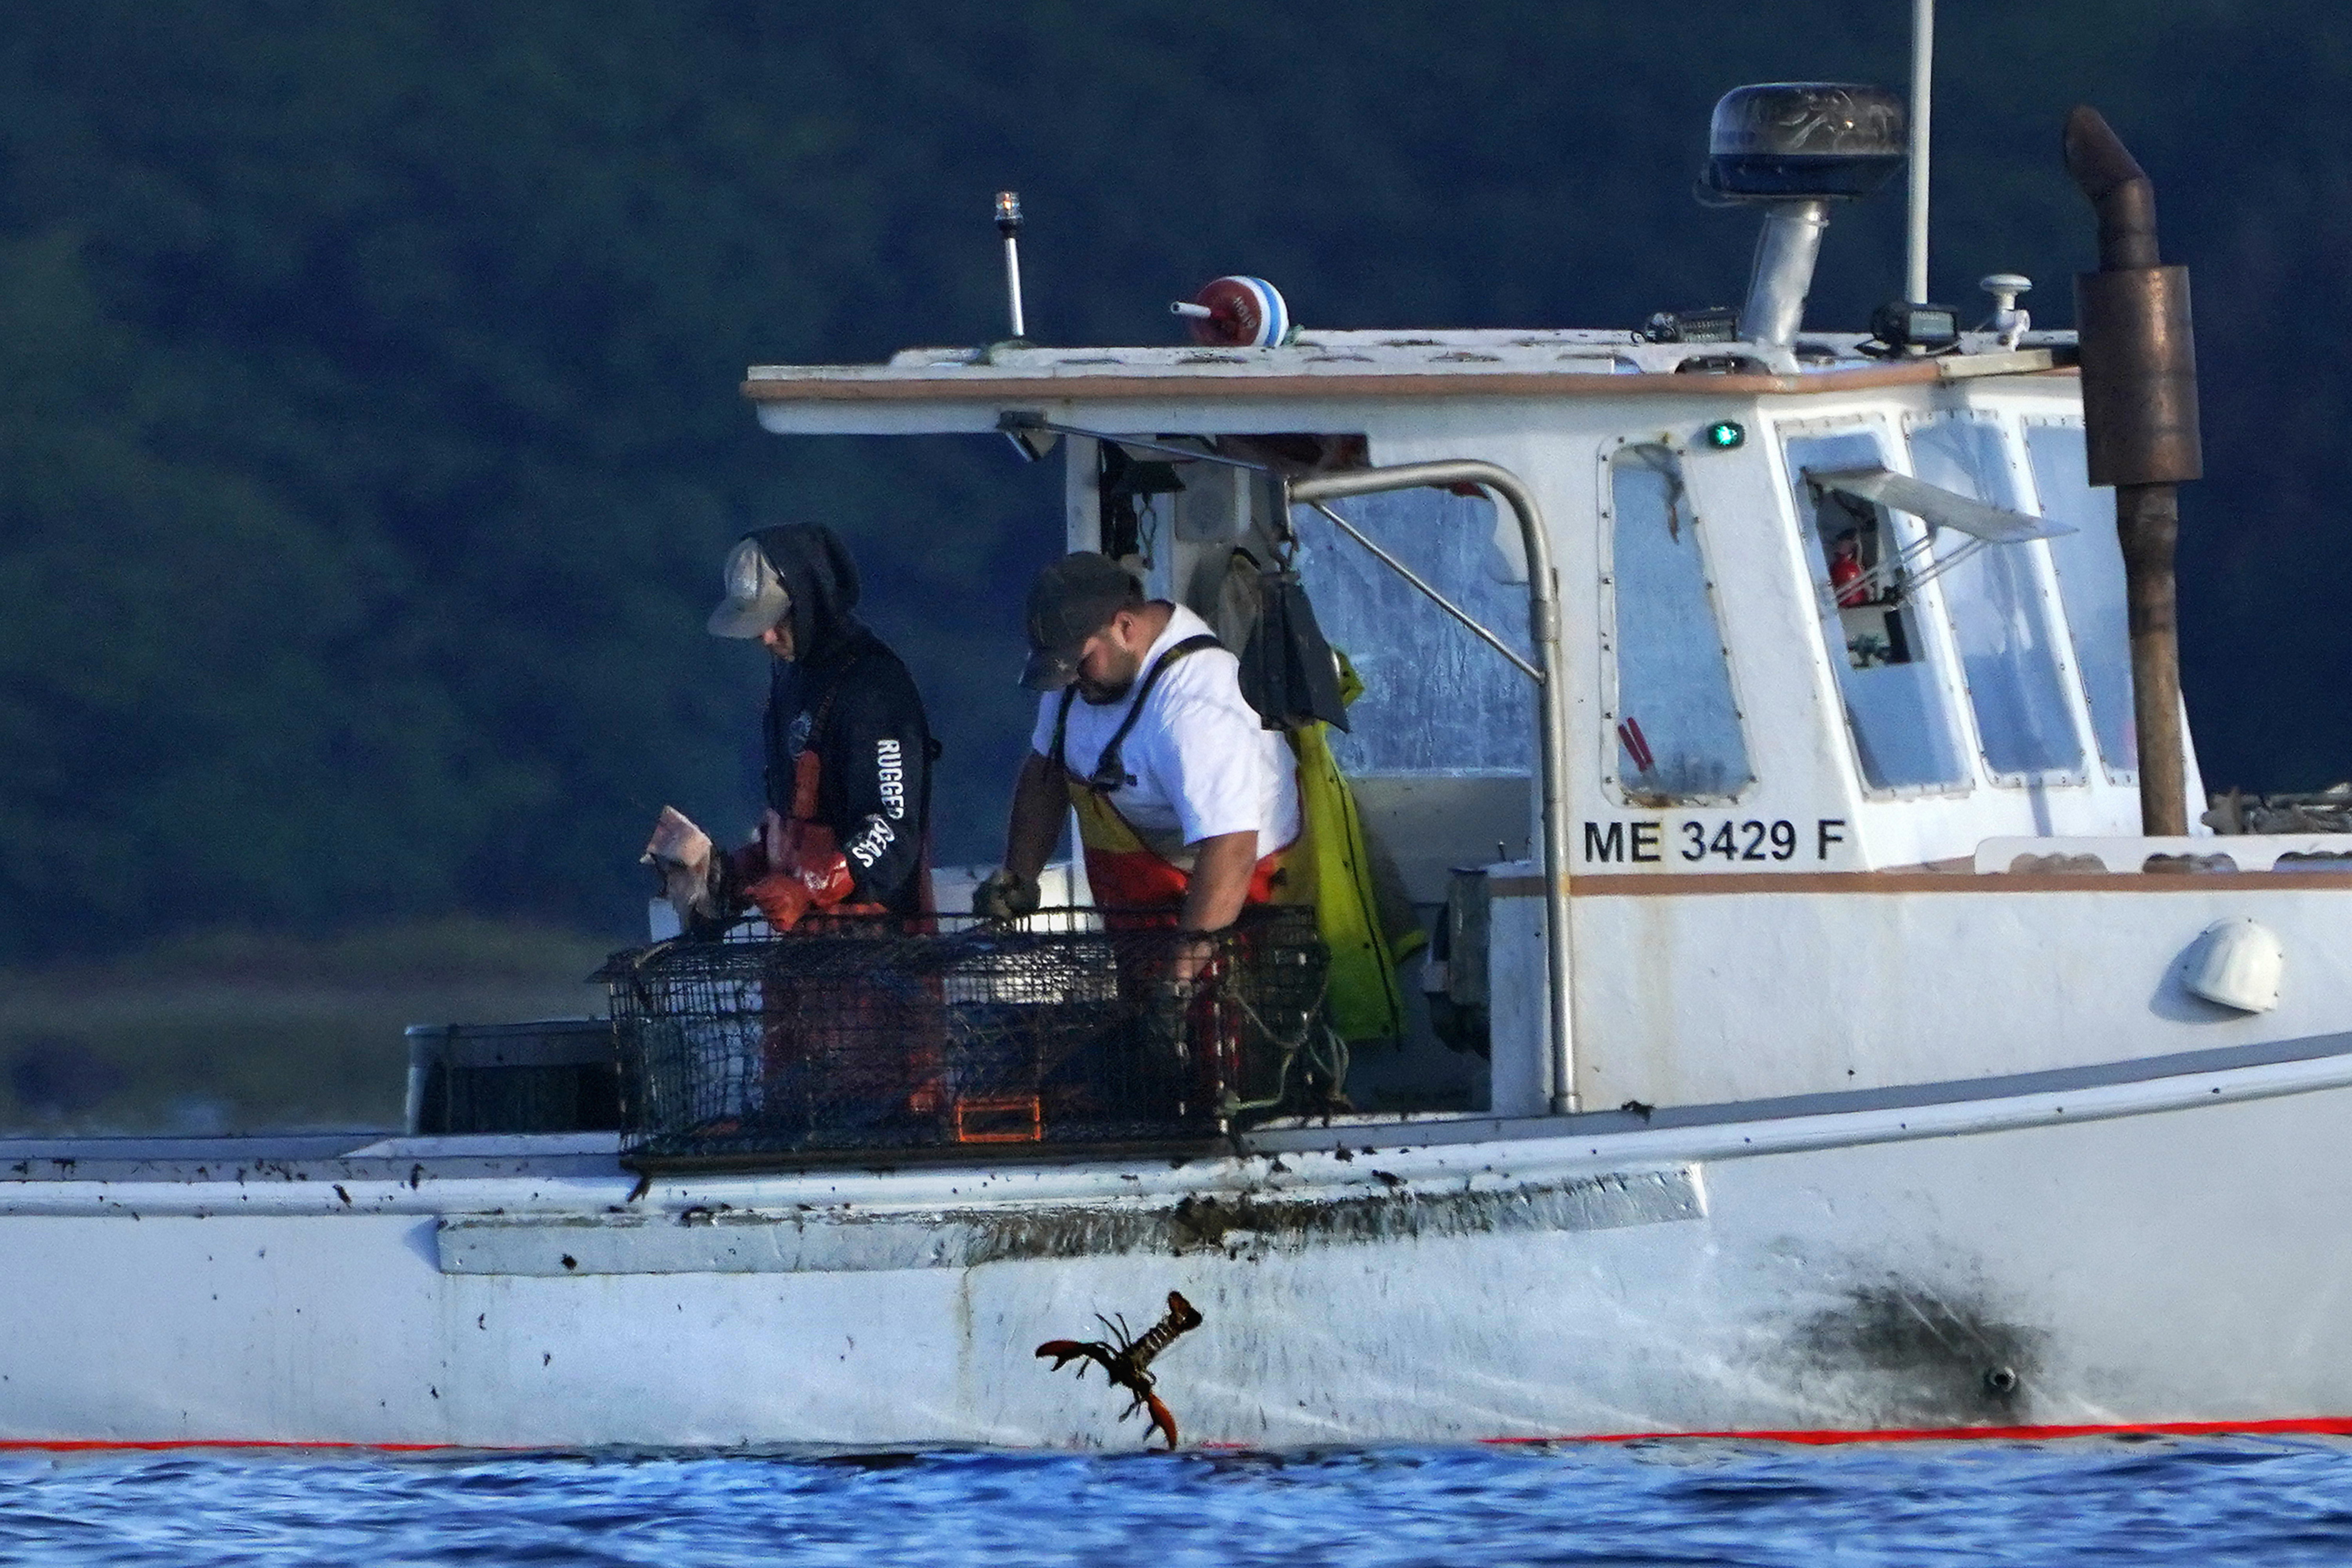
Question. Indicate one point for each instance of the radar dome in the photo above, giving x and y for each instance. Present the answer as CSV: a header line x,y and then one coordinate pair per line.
x,y
1799,141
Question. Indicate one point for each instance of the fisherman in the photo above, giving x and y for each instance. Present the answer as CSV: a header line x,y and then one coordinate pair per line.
x,y
849,751
1187,805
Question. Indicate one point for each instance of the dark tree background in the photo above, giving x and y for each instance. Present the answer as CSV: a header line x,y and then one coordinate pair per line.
x,y
369,433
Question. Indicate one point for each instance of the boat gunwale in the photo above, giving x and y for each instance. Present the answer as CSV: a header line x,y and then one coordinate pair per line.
x,y
1429,1149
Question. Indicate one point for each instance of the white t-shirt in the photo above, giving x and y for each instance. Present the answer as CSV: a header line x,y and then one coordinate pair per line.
x,y
1202,763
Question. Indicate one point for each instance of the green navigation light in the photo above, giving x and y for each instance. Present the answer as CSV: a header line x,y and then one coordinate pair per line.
x,y
1725,434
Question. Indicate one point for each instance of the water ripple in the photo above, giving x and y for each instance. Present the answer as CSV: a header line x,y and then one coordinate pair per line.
x,y
1647,1505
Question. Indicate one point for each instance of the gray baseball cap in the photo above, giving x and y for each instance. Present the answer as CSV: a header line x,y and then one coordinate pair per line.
x,y
755,599
1071,601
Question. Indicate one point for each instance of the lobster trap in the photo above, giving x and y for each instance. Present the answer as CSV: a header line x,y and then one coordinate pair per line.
x,y
1069,1026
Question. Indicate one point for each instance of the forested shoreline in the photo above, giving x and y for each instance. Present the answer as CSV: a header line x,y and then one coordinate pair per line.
x,y
369,430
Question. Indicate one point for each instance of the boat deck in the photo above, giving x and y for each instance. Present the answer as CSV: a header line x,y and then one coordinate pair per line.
x,y
588,1159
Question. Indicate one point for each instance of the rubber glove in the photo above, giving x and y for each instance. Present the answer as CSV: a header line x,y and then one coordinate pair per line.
x,y
1004,895
1166,1019
781,897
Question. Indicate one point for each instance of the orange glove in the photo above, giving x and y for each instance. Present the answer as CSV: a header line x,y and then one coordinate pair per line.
x,y
783,898
811,852
799,867
828,882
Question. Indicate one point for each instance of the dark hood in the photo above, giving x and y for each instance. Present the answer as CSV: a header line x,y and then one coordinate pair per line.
x,y
818,574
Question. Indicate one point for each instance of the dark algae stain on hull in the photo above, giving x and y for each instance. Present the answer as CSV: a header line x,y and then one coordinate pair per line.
x,y
1268,1222
1898,1354
1258,1222
1239,1222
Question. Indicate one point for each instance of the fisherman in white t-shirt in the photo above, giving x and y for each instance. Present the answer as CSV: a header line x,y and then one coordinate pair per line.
x,y
1186,803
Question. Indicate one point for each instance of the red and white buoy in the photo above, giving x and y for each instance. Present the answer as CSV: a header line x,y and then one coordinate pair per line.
x,y
1236,314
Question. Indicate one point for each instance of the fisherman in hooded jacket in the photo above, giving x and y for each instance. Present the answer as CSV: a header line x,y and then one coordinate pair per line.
x,y
849,752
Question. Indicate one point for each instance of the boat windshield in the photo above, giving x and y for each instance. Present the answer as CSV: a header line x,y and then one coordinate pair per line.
x,y
1998,607
1436,699
1902,729
2090,566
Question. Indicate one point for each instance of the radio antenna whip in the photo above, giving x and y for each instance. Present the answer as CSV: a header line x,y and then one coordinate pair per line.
x,y
1008,224
1923,72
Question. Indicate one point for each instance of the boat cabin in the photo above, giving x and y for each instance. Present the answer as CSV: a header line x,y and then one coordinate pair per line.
x,y
1861,618
1958,688
1748,713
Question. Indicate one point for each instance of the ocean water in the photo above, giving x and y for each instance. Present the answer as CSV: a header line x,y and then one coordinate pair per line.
x,y
2108,1502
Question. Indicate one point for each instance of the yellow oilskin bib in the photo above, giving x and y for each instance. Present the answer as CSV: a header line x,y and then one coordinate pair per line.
x,y
1333,869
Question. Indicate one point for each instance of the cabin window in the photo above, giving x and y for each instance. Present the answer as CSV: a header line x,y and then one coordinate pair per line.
x,y
1999,608
1436,699
2090,566
1677,724
1893,702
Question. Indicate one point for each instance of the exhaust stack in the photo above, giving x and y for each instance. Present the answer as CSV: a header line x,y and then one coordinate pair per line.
x,y
2140,429
1793,148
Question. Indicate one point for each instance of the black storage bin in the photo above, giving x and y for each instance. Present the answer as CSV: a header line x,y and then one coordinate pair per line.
x,y
558,1075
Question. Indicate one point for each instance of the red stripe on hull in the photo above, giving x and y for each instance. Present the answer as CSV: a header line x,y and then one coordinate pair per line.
x,y
2303,1426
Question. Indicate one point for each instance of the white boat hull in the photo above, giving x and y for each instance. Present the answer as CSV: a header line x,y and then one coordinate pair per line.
x,y
2161,1250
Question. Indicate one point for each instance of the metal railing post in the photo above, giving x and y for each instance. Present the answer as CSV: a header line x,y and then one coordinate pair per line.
x,y
1551,679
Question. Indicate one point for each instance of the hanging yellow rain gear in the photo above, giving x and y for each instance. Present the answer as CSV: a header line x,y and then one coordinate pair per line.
x,y
1332,865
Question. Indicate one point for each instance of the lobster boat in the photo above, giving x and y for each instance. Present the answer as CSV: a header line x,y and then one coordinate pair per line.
x,y
1814,1008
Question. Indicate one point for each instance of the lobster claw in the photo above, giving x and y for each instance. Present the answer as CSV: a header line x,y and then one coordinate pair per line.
x,y
1065,1352
1162,1419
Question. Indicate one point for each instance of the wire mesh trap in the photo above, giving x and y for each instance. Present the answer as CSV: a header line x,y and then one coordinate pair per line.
x,y
1066,1027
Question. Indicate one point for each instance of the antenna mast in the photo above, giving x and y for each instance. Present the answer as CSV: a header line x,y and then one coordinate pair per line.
x,y
1008,224
1923,72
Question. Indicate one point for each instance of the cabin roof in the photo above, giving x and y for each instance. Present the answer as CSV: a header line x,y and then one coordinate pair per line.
x,y
1388,365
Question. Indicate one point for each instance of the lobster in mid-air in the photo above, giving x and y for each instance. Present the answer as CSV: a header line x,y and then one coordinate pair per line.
x,y
1125,1361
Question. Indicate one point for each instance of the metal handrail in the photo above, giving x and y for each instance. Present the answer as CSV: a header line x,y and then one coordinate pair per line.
x,y
1551,679
1435,597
